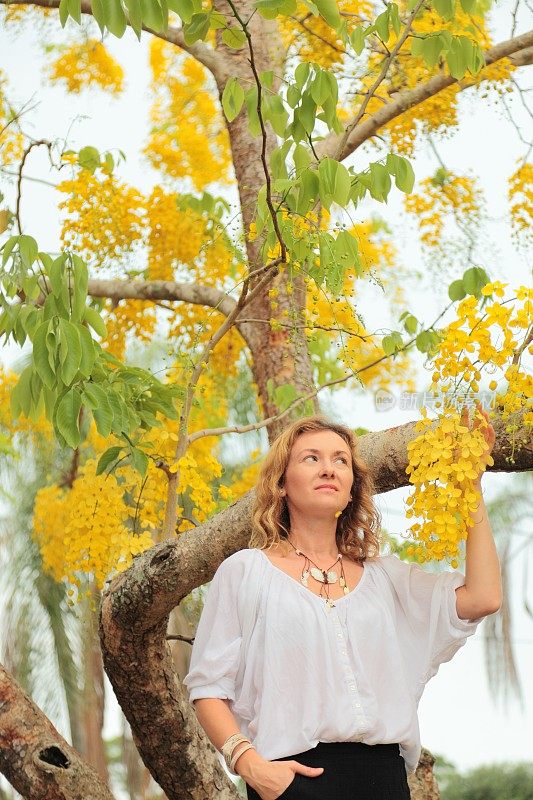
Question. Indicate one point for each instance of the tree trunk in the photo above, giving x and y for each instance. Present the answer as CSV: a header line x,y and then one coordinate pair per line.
x,y
93,697
422,784
35,759
278,357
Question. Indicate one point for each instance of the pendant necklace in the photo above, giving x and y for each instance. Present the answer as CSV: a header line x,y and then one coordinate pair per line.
x,y
323,576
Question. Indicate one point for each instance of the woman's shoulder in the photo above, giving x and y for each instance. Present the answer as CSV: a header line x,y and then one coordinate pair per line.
x,y
240,561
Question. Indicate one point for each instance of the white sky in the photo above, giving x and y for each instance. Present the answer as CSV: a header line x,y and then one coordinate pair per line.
x,y
457,715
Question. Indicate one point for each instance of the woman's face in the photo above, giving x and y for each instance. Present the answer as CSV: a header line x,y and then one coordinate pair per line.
x,y
319,475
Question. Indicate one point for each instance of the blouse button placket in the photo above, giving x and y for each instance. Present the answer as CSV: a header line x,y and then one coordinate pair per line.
x,y
348,671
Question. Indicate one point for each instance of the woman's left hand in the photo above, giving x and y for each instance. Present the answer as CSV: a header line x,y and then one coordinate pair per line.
x,y
481,421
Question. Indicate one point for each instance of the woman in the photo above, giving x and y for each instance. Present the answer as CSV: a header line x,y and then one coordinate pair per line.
x,y
312,651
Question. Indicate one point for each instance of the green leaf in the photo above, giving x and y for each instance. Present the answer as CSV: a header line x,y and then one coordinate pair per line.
x,y
74,9
330,11
468,6
251,107
115,18
93,318
456,58
139,461
277,160
110,455
89,158
274,111
102,413
66,417
197,28
432,47
232,98
28,250
424,341
474,279
185,8
81,282
98,12
135,16
301,157
347,251
63,12
40,356
357,40
456,290
320,88
394,18
392,343
308,191
269,9
307,112
70,351
444,7
381,24
267,78
335,182
380,182
402,171
88,351
21,398
301,73
293,95
410,324
8,248
234,38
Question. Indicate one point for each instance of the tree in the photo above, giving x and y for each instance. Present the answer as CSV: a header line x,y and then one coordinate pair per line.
x,y
276,97
496,782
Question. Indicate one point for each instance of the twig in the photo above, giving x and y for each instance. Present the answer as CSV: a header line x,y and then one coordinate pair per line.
x,y
270,205
175,637
25,155
379,80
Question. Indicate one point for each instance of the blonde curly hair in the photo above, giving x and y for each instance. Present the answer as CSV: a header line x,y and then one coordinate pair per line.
x,y
358,527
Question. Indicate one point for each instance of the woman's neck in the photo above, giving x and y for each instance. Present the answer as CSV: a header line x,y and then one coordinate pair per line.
x,y
316,540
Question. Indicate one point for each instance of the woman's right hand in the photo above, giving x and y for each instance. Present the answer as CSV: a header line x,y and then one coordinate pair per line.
x,y
271,778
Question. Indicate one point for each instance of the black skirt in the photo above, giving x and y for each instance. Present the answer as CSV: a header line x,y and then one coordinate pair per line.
x,y
352,771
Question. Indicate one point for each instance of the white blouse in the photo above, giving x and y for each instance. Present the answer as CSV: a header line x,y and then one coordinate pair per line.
x,y
297,673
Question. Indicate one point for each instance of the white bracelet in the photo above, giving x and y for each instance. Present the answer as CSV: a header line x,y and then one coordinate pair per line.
x,y
229,746
239,754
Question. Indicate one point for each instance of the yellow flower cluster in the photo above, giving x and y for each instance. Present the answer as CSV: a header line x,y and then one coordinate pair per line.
x,y
11,139
84,530
86,64
128,318
176,237
443,198
443,467
314,40
521,199
447,457
188,137
103,217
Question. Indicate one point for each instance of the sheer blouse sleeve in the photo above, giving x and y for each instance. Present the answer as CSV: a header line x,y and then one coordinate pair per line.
x,y
426,615
217,644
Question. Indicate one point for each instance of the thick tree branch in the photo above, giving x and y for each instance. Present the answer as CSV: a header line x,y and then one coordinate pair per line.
x,y
35,759
194,293
413,97
212,60
137,603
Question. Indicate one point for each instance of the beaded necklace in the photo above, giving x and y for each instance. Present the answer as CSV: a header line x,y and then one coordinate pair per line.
x,y
323,576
